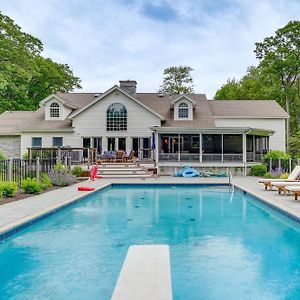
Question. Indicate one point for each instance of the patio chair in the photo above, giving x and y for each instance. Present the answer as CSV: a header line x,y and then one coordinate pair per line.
x,y
120,156
292,177
128,157
106,156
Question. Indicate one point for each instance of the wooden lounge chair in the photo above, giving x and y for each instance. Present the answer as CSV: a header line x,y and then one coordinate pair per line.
x,y
283,186
294,190
295,174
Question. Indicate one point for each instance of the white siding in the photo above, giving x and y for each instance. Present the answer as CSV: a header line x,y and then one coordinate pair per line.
x,y
92,121
277,140
69,139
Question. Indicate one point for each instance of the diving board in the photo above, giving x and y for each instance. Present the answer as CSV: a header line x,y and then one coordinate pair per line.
x,y
146,274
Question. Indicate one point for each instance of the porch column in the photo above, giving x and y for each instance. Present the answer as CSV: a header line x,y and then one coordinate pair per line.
x,y
200,147
156,157
104,144
222,147
128,144
244,148
179,147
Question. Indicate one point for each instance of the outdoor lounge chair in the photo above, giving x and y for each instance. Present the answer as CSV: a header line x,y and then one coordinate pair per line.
x,y
292,177
283,186
294,189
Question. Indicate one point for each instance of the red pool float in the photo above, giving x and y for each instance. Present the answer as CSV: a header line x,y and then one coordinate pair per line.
x,y
85,188
94,171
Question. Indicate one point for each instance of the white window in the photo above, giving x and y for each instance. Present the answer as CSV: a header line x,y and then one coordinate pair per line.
x,y
54,110
183,111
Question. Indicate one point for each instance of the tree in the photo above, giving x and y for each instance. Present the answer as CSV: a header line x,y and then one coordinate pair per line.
x,y
280,55
26,77
177,80
276,76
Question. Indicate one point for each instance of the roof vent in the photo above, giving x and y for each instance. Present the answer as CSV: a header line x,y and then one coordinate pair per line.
x,y
160,95
96,95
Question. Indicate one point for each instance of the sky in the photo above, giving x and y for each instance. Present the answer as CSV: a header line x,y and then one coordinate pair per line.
x,y
104,41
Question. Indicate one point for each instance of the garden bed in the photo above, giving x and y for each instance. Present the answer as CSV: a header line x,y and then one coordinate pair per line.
x,y
21,195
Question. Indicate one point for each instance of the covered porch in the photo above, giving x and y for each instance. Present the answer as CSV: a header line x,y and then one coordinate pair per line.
x,y
211,146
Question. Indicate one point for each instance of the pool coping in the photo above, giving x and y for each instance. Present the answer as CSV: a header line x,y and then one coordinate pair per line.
x,y
283,209
24,222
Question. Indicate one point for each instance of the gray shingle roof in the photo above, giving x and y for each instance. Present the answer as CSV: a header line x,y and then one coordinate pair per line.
x,y
247,108
12,122
204,113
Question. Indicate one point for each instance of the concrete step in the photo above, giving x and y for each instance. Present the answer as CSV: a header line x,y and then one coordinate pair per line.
x,y
120,169
127,175
122,172
118,165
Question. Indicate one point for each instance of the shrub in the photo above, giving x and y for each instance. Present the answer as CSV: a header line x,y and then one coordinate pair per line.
x,y
25,156
2,156
258,170
284,176
31,186
77,171
270,176
61,177
45,180
277,154
8,188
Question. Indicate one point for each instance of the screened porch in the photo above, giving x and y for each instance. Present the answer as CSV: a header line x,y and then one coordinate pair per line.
x,y
246,146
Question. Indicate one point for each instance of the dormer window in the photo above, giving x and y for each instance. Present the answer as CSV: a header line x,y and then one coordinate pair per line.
x,y
54,110
183,111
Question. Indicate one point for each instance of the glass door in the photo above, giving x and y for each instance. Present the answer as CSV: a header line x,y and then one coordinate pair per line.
x,y
111,144
122,144
86,143
97,143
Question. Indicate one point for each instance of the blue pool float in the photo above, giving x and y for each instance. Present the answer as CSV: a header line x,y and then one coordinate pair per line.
x,y
187,172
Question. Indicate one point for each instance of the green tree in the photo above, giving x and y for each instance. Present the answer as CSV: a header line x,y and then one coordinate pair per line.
x,y
26,77
276,77
280,56
177,80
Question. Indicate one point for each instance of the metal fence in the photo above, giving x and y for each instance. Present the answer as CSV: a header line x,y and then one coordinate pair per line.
x,y
18,169
281,165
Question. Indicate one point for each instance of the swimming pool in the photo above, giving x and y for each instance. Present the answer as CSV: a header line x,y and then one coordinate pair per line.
x,y
223,245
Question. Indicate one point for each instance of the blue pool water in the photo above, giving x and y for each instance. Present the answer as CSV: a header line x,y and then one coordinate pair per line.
x,y
223,245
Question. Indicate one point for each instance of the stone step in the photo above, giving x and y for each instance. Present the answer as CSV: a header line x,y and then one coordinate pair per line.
x,y
118,165
127,175
122,172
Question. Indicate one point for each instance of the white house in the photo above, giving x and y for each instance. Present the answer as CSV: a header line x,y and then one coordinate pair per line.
x,y
176,128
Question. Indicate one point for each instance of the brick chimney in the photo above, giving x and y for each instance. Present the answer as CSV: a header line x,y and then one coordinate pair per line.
x,y
129,87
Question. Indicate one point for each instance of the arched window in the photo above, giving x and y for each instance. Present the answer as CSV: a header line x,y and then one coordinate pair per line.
x,y
116,117
54,110
183,111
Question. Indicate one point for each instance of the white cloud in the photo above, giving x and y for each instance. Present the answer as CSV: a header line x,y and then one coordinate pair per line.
x,y
104,41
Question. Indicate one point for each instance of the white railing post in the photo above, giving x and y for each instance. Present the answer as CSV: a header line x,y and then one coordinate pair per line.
x,y
290,165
